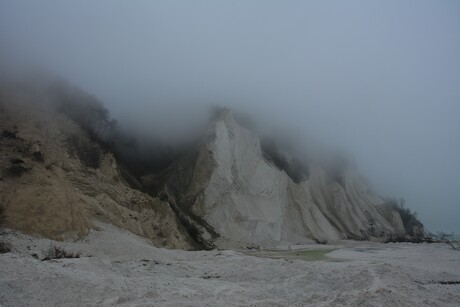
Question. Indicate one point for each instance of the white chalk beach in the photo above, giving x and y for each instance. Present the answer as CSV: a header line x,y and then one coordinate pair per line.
x,y
117,267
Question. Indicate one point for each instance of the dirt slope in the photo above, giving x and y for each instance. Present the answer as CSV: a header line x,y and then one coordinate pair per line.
x,y
55,179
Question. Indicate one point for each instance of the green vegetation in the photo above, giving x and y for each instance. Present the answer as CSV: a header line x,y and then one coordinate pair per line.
x,y
89,153
84,109
413,228
2,216
138,156
294,168
409,218
335,165
4,246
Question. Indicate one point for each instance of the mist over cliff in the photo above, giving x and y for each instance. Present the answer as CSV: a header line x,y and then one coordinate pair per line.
x,y
378,81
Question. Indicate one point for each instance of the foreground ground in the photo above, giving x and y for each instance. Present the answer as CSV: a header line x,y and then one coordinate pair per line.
x,y
118,268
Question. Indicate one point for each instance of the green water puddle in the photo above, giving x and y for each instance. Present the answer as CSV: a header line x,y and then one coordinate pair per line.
x,y
305,254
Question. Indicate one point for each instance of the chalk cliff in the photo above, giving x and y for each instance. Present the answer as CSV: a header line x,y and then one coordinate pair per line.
x,y
233,191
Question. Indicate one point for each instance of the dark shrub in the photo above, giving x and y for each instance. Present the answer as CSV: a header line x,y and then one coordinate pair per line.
x,y
90,114
84,109
87,152
17,161
335,167
8,134
38,156
412,226
2,216
294,168
4,248
17,170
55,252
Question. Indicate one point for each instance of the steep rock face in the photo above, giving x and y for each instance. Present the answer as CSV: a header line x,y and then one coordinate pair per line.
x,y
55,179
392,216
230,187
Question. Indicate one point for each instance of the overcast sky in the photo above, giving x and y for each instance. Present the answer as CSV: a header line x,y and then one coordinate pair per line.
x,y
378,79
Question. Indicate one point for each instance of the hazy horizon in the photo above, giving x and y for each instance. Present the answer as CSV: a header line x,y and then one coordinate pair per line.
x,y
379,80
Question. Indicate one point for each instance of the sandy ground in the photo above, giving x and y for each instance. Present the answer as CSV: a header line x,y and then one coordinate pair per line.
x,y
119,268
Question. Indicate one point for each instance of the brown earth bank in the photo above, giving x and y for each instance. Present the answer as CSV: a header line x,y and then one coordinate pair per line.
x,y
55,178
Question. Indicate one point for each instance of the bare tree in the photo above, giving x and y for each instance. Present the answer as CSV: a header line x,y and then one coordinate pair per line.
x,y
442,237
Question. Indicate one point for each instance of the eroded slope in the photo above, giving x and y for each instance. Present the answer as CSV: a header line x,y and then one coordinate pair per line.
x,y
55,179
230,186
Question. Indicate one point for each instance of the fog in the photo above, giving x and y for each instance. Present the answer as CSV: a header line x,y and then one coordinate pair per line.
x,y
379,80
